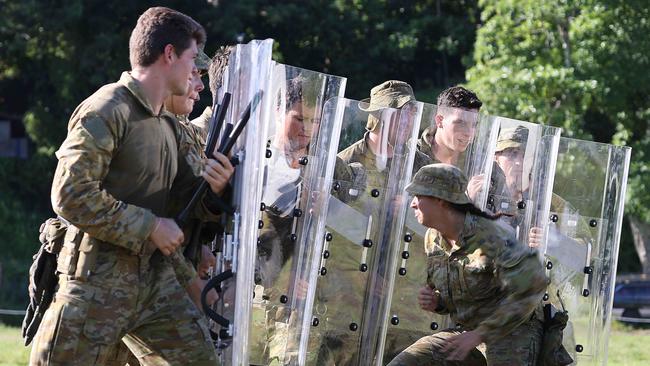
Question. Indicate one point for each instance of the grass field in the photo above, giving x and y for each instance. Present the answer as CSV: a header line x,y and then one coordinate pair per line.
x,y
628,346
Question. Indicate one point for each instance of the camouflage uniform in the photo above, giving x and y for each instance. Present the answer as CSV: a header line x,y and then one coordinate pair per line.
x,y
112,282
488,282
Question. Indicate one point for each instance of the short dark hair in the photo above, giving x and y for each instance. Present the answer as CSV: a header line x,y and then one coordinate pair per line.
x,y
293,93
459,97
217,68
156,28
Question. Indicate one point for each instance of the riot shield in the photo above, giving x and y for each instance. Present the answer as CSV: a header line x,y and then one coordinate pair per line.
x,y
246,79
522,177
583,240
360,218
298,98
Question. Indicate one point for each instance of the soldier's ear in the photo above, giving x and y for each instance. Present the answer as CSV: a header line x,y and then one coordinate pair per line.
x,y
169,54
439,119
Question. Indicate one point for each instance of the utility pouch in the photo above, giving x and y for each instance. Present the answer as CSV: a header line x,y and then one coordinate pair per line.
x,y
43,276
553,352
87,257
67,263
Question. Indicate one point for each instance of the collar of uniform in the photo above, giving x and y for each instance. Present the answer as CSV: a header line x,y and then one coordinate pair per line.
x,y
427,135
469,229
182,118
204,119
135,87
363,147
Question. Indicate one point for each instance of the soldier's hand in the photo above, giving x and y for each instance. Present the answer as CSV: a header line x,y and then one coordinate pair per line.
x,y
218,172
458,347
166,235
475,186
535,237
428,299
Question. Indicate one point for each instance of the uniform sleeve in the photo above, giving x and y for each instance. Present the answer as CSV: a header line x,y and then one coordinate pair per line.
x,y
523,281
183,268
77,193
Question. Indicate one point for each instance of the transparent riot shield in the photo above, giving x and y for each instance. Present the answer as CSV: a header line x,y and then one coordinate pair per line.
x,y
368,162
246,79
522,176
583,240
298,97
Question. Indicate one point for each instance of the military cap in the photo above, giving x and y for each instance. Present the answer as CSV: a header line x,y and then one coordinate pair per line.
x,y
442,181
512,137
202,61
389,94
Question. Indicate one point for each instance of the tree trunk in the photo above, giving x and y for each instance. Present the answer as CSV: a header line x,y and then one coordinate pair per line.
x,y
641,235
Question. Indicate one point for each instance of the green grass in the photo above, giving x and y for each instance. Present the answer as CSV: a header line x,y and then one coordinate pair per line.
x,y
12,351
628,346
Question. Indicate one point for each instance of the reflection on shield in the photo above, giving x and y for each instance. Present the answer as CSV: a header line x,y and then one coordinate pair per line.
x,y
290,186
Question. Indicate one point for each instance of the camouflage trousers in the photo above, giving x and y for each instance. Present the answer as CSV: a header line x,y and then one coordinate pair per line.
x,y
135,297
520,348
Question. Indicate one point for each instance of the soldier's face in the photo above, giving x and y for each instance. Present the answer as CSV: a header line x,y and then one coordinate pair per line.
x,y
183,105
299,125
426,209
182,69
511,161
456,127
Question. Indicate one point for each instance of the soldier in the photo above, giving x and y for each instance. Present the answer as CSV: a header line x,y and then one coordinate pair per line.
x,y
181,106
113,185
489,283
216,69
509,158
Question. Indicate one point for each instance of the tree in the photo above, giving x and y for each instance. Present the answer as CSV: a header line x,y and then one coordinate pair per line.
x,y
581,65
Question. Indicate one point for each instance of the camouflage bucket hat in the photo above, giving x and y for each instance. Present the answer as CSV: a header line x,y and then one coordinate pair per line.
x,y
512,137
442,181
389,94
202,61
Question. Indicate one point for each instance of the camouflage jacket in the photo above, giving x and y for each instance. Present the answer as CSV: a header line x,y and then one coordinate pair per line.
x,y
202,121
367,163
117,166
489,281
424,143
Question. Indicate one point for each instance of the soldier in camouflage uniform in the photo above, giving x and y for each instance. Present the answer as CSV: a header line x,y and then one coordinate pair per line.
x,y
181,106
113,184
369,171
489,283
